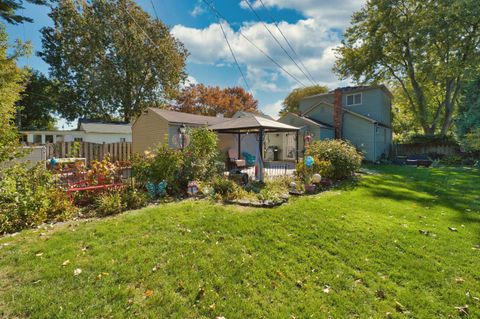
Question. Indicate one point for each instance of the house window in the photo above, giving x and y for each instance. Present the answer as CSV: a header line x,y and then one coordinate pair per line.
x,y
123,139
78,139
49,138
354,99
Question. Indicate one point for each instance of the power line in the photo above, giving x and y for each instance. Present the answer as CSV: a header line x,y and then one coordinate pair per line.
x,y
234,57
276,40
219,15
288,42
154,10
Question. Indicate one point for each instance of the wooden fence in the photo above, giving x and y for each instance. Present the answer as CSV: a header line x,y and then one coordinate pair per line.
x,y
90,151
441,149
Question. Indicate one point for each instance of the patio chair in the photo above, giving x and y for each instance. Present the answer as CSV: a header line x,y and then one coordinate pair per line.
x,y
234,161
251,159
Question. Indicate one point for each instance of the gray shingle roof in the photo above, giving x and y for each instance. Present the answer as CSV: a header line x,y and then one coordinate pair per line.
x,y
187,118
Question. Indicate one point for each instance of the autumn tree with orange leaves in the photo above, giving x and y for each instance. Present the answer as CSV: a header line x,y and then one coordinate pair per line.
x,y
213,100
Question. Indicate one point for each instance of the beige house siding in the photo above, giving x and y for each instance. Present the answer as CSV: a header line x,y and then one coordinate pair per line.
x,y
148,130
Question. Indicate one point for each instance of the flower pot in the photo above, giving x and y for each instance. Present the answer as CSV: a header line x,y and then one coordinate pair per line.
x,y
310,188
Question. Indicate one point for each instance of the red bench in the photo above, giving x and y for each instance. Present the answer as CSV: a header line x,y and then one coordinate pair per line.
x,y
93,186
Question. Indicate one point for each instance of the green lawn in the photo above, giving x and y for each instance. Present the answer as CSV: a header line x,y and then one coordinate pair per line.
x,y
352,252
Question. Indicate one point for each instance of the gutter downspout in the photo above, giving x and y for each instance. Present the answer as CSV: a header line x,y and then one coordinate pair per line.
x,y
375,142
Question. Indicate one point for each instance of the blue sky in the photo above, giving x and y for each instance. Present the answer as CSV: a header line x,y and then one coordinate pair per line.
x,y
313,27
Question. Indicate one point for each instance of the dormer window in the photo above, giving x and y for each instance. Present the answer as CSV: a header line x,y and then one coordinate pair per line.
x,y
354,99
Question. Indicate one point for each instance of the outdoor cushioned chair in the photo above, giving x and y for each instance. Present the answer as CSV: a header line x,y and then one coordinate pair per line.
x,y
249,158
233,159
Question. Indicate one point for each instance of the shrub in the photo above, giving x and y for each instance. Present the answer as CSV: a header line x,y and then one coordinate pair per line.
x,y
29,197
109,203
305,174
451,160
226,189
200,155
60,206
133,197
342,155
178,167
160,164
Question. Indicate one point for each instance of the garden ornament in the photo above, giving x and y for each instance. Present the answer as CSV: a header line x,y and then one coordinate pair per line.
x,y
316,178
53,162
154,190
192,188
309,161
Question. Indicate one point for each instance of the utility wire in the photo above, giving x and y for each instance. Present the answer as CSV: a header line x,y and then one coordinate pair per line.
x,y
154,10
288,42
234,57
276,40
219,15
140,27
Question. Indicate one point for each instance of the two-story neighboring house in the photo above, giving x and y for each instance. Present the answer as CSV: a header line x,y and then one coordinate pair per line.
x,y
361,115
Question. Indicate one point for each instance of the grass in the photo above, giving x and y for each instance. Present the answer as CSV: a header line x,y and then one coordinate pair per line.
x,y
353,252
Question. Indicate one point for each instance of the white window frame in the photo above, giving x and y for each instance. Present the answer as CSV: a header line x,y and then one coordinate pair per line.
x,y
353,95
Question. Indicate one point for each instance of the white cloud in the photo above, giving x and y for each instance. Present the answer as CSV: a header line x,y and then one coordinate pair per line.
x,y
313,38
312,41
197,10
273,109
335,14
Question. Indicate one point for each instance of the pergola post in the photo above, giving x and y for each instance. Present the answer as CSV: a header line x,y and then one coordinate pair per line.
x,y
239,135
260,162
297,151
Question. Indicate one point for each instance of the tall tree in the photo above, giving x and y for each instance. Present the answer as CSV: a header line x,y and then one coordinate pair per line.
x,y
468,122
110,58
212,100
425,47
37,104
11,78
292,101
9,9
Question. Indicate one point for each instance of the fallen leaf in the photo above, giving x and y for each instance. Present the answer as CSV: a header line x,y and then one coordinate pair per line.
x,y
326,289
148,293
212,306
459,280
77,272
453,229
200,294
219,317
380,294
424,232
66,262
462,311
399,307
299,284
39,254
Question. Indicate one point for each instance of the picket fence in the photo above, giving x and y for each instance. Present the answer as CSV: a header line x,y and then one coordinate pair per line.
x,y
90,151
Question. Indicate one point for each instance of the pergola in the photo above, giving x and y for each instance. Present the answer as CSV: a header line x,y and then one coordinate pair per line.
x,y
257,125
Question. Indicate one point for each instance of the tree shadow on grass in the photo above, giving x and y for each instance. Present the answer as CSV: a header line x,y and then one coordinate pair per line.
x,y
454,188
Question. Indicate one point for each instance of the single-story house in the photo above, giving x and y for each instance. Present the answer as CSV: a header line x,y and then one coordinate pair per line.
x,y
87,131
361,115
155,126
